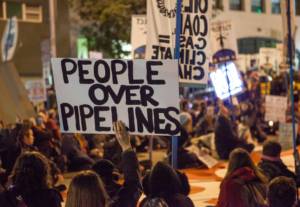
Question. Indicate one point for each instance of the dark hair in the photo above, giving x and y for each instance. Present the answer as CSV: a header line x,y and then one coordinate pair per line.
x,y
240,158
87,190
163,181
282,192
31,172
271,148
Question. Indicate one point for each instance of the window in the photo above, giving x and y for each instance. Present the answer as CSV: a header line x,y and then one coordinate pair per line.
x,y
297,5
258,6
218,4
32,13
252,45
276,7
14,9
237,5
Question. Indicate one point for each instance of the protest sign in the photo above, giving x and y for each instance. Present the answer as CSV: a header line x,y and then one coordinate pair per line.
x,y
36,91
138,36
92,94
285,137
223,42
276,107
194,33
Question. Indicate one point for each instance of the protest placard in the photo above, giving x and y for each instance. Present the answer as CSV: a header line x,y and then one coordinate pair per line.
x,y
276,107
285,137
223,42
194,36
36,91
138,36
92,94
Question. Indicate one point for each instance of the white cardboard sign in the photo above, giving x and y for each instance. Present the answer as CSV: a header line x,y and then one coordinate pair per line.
x,y
92,94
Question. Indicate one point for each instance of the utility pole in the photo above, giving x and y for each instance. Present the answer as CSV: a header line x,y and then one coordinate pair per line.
x,y
52,21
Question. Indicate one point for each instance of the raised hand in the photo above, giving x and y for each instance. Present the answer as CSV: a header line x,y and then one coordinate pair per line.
x,y
122,135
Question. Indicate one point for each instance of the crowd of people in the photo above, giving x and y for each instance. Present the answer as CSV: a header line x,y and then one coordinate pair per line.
x,y
35,156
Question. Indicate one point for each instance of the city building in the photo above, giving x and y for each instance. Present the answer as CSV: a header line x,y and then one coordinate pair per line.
x,y
257,23
34,33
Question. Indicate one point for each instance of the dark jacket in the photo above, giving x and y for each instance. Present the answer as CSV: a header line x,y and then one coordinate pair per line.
x,y
242,189
44,198
164,183
273,169
226,138
131,190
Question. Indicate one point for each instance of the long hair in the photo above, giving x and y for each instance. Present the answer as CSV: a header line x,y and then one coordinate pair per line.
x,y
240,158
87,190
31,173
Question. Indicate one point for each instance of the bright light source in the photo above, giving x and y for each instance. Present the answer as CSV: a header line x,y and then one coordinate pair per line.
x,y
219,80
271,123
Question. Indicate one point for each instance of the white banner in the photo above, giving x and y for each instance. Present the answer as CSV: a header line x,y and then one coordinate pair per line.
x,y
276,107
92,94
194,39
223,41
36,91
138,36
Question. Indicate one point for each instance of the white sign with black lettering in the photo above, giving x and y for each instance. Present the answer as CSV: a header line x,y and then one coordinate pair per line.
x,y
194,36
276,107
92,94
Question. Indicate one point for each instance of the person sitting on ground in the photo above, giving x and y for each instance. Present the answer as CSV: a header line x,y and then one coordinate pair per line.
x,y
30,184
185,158
271,164
226,138
282,191
165,187
106,170
244,185
87,189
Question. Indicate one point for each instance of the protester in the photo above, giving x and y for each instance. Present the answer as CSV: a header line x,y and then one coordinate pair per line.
x,y
128,194
31,186
271,163
226,138
244,185
87,190
166,188
106,170
282,192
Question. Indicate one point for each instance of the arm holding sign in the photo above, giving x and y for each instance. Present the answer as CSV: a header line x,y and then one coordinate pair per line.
x,y
132,188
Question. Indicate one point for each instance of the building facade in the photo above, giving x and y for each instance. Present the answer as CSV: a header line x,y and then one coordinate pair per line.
x,y
257,23
34,31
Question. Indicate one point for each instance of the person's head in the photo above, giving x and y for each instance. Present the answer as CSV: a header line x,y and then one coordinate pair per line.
x,y
272,148
240,158
31,172
87,190
282,192
186,121
26,135
104,168
163,181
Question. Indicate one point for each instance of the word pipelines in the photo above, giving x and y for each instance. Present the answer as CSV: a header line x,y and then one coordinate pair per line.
x,y
157,120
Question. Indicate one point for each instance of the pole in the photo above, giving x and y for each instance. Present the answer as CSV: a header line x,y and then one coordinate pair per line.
x,y
52,27
290,53
177,56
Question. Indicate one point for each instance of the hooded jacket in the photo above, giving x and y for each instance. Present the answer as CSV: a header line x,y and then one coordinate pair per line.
x,y
242,189
164,183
